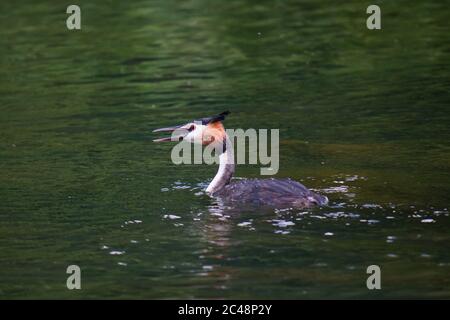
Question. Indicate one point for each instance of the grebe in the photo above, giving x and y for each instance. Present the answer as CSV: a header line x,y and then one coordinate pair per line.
x,y
278,193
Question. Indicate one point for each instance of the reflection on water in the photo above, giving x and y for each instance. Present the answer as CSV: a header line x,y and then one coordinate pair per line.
x,y
363,118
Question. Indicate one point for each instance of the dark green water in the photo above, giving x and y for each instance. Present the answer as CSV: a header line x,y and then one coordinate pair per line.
x,y
363,117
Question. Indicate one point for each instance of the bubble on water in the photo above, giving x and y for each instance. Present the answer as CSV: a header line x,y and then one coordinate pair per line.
x,y
341,214
339,189
104,247
216,214
170,267
391,239
122,264
339,205
171,216
427,221
282,210
351,178
321,264
328,234
282,223
164,189
181,187
371,206
281,232
133,222
116,253
244,224
335,215
350,195
392,255
208,268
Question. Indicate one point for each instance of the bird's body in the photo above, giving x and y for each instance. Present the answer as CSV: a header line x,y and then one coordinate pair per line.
x,y
278,193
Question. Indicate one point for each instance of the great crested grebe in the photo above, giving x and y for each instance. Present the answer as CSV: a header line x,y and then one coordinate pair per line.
x,y
278,193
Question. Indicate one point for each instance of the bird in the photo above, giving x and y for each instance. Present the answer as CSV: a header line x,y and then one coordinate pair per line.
x,y
272,192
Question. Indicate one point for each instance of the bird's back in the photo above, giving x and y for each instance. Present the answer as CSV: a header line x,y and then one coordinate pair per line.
x,y
279,193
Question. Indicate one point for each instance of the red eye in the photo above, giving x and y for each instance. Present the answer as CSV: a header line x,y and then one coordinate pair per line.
x,y
191,128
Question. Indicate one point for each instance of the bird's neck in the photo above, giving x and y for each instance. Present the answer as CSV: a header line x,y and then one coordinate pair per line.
x,y
226,168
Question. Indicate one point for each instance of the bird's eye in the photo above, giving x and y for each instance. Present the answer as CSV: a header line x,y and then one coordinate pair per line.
x,y
191,128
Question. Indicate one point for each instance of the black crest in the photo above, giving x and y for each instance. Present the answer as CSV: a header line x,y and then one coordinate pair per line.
x,y
216,118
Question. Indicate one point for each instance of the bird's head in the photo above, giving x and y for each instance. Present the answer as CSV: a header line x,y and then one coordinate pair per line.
x,y
203,131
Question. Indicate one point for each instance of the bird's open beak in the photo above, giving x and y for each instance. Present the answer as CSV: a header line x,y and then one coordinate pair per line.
x,y
177,134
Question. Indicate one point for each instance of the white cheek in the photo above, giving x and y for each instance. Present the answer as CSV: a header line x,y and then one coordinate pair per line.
x,y
195,136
